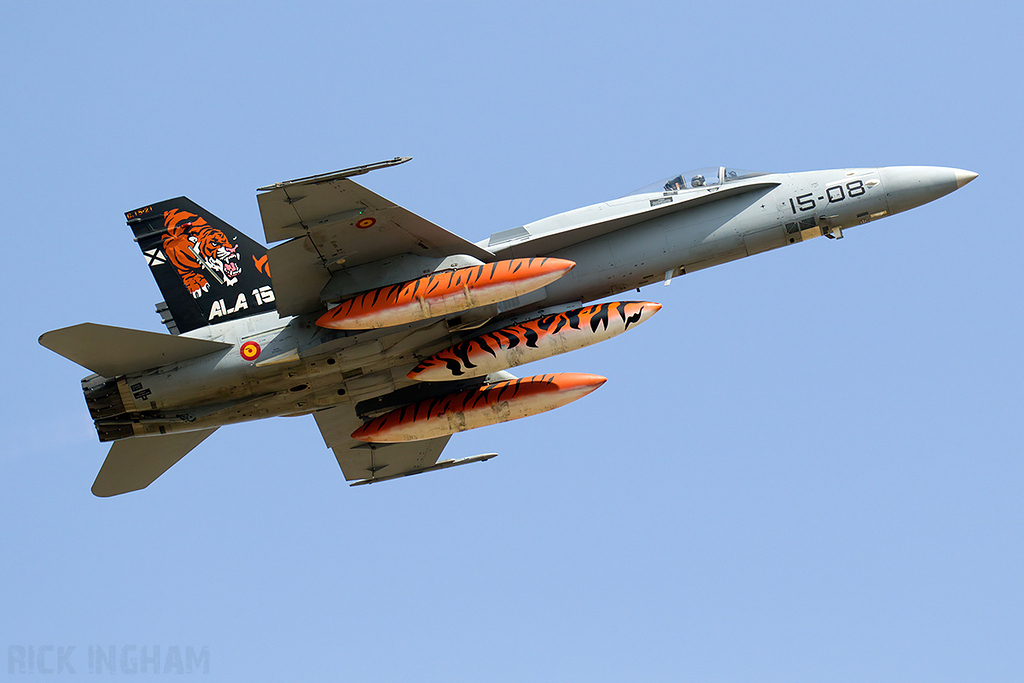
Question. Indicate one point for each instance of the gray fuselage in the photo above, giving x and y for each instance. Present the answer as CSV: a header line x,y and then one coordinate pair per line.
x,y
623,244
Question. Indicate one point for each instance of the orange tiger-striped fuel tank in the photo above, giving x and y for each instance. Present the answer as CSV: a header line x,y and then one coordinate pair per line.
x,y
478,407
526,342
444,293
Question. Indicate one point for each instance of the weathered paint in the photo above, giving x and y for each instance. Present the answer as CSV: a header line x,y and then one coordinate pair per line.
x,y
478,407
543,337
444,293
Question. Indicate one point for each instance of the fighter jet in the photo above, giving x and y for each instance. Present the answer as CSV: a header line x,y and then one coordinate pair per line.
x,y
394,333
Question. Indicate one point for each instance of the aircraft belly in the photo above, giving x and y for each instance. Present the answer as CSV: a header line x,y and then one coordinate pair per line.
x,y
713,234
766,239
184,420
612,263
205,381
762,226
723,245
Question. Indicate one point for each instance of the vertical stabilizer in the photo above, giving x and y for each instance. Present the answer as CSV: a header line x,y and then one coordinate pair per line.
x,y
207,271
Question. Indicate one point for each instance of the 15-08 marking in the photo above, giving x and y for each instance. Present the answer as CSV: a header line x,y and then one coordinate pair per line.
x,y
805,202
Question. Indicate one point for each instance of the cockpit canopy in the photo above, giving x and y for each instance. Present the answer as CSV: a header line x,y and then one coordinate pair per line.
x,y
701,177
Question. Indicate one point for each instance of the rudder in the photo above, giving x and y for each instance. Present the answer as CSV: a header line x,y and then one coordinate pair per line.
x,y
207,271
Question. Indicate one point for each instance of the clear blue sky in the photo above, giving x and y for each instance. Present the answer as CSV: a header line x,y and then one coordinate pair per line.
x,y
807,467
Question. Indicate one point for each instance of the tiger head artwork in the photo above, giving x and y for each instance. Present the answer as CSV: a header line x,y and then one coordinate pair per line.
x,y
193,246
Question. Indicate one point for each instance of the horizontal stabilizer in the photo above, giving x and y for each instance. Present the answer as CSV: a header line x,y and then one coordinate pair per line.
x,y
134,464
112,351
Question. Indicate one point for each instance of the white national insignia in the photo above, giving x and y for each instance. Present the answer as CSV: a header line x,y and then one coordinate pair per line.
x,y
155,257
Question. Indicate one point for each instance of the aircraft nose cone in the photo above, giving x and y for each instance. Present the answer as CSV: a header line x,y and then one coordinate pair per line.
x,y
963,177
907,187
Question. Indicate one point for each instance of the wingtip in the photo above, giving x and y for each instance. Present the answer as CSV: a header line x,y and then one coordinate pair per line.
x,y
335,175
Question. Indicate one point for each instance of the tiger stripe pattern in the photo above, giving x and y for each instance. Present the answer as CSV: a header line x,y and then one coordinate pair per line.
x,y
477,407
534,339
444,293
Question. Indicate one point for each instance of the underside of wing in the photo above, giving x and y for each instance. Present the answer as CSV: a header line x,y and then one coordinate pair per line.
x,y
332,224
364,463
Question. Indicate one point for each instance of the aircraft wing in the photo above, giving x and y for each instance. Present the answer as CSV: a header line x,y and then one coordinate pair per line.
x,y
332,223
364,463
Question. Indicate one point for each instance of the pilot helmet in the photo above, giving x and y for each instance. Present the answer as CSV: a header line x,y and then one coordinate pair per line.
x,y
697,181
